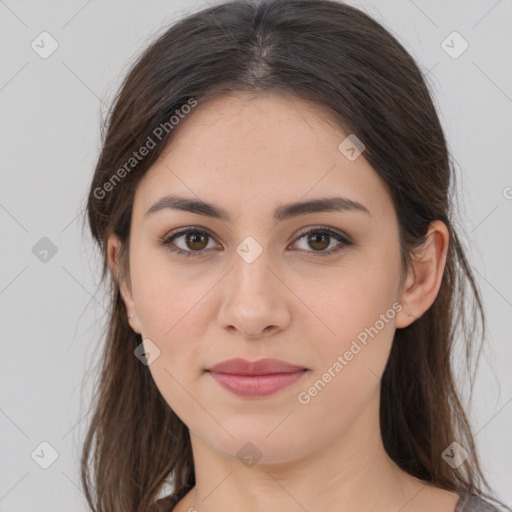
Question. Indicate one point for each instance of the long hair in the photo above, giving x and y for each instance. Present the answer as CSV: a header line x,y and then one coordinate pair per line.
x,y
336,55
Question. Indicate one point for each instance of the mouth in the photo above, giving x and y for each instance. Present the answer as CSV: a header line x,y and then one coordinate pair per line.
x,y
255,378
257,385
267,366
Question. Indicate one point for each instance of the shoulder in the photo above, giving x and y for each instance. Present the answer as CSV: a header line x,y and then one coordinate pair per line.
x,y
474,503
166,504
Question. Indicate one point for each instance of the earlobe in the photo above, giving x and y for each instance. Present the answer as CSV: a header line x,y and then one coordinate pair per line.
x,y
424,279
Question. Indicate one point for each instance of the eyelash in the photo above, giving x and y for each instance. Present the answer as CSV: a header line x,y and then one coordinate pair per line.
x,y
321,230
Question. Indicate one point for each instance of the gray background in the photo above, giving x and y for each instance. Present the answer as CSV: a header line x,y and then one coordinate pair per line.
x,y
52,310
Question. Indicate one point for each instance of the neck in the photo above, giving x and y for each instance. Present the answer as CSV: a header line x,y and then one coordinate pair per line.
x,y
353,472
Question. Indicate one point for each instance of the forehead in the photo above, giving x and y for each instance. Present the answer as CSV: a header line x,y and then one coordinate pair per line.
x,y
249,151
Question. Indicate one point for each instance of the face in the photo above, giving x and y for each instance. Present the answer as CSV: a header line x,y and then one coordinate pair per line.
x,y
255,286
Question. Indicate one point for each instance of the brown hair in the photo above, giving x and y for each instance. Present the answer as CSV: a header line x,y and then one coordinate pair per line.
x,y
339,57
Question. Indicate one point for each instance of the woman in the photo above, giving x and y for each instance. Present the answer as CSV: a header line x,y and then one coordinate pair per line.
x,y
272,204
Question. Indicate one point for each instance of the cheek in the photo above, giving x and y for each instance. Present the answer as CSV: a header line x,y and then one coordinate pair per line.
x,y
174,310
347,377
174,318
161,291
363,330
360,310
354,300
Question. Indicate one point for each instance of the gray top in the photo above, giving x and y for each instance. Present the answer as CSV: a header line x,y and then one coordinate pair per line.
x,y
473,503
466,503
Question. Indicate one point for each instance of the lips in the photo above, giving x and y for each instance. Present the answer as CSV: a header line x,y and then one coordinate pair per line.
x,y
239,366
253,379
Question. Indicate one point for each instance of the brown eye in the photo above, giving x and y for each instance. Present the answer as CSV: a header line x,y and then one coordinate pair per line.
x,y
189,242
196,240
193,242
319,241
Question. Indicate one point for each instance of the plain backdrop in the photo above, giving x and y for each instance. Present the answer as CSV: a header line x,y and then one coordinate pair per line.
x,y
52,307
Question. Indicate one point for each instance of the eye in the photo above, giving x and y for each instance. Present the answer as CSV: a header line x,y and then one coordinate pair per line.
x,y
196,240
320,239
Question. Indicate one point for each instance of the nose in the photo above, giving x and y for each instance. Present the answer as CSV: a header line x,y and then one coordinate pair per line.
x,y
255,302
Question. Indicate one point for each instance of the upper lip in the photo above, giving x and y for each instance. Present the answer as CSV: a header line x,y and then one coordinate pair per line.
x,y
239,366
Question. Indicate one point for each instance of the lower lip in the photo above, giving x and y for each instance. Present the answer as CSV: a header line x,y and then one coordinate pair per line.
x,y
256,385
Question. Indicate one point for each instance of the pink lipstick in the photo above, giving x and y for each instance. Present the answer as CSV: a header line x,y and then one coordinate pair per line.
x,y
255,378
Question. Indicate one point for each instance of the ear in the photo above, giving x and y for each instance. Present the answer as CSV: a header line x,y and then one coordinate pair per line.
x,y
424,278
113,252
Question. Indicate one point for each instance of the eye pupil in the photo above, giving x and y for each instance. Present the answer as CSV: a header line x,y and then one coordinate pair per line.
x,y
196,237
313,239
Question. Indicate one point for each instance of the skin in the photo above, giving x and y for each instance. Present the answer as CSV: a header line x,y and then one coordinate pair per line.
x,y
250,154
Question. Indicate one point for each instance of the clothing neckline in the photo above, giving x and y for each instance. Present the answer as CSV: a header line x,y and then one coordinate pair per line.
x,y
172,500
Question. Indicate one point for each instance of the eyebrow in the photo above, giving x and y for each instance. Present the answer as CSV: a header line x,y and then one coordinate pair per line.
x,y
282,212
